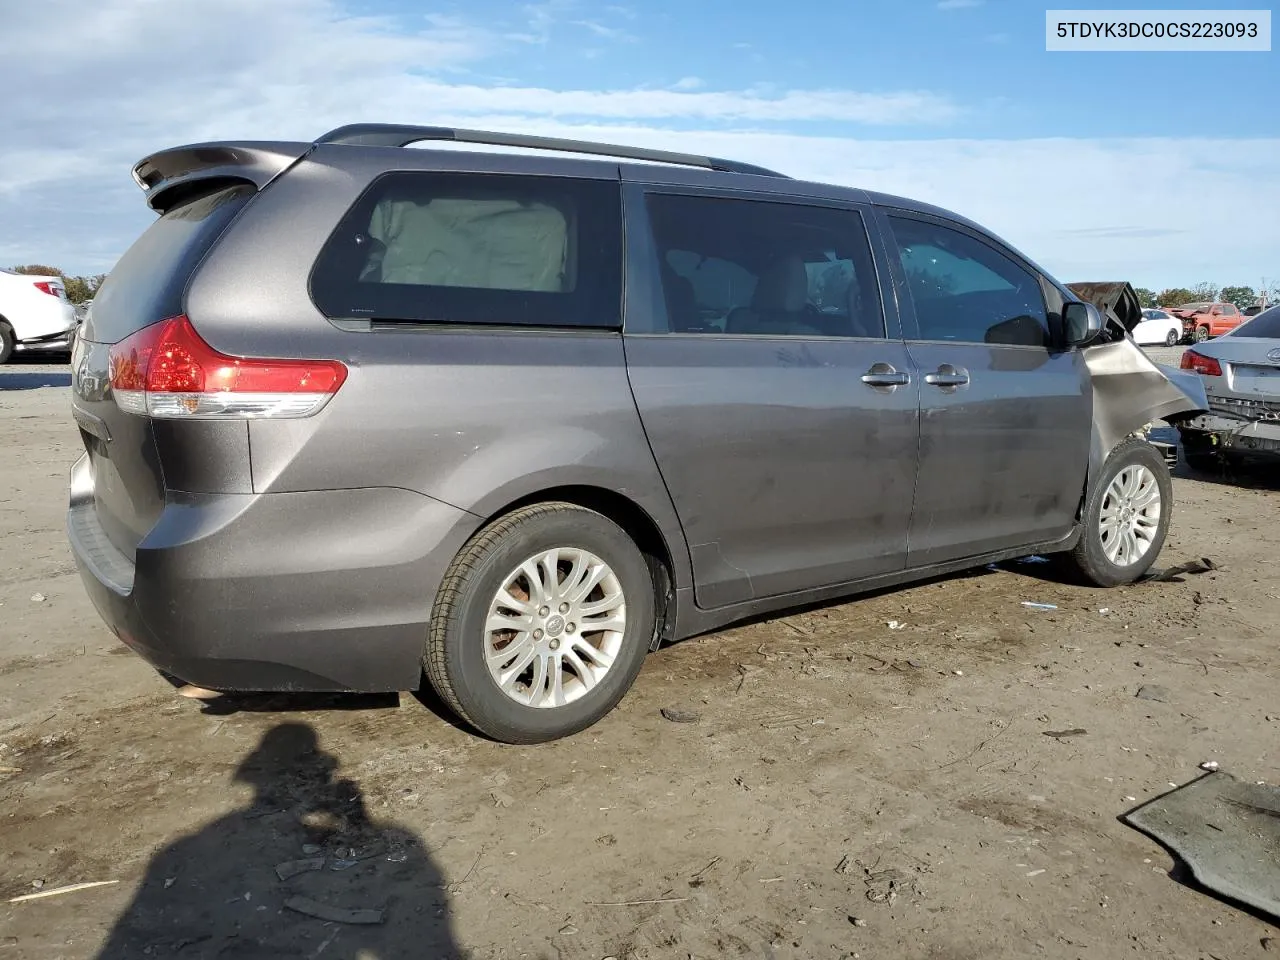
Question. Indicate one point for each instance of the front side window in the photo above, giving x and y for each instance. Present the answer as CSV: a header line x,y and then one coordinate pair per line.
x,y
759,268
965,290
477,249
1228,310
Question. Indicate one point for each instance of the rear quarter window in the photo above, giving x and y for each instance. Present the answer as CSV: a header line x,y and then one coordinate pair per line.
x,y
1266,324
147,283
476,249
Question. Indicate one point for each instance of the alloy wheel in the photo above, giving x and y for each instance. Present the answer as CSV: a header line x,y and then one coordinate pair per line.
x,y
1129,518
555,627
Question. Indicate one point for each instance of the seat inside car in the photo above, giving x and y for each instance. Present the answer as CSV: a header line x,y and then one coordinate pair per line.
x,y
777,304
683,315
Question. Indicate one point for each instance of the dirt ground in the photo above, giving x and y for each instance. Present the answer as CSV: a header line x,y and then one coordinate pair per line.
x,y
850,789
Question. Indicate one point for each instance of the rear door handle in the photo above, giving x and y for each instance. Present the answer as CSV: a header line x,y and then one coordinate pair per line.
x,y
947,377
885,375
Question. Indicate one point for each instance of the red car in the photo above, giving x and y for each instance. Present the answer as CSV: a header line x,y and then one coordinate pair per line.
x,y
1200,321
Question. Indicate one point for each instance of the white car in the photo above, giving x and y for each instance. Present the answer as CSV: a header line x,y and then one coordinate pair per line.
x,y
1157,326
35,315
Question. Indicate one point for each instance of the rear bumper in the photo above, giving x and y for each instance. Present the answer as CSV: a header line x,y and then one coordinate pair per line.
x,y
323,590
52,343
1245,436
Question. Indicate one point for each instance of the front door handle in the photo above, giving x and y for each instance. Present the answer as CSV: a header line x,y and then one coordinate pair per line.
x,y
885,375
947,377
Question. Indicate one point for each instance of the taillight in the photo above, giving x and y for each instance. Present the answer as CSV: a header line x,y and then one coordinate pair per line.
x,y
46,286
1201,364
166,370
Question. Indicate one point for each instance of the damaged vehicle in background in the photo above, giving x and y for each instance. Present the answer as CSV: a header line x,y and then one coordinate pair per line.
x,y
518,419
1204,321
1241,375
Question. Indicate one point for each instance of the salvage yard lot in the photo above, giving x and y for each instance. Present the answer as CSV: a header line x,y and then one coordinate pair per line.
x,y
839,770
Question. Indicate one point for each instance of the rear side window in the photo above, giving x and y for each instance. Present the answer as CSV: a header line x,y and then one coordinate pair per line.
x,y
764,268
1265,324
966,290
477,249
148,282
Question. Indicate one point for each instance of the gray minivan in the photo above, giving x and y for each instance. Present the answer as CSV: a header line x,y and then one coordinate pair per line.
x,y
354,413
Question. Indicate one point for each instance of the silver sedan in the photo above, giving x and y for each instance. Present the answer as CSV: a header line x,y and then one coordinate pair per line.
x,y
1241,374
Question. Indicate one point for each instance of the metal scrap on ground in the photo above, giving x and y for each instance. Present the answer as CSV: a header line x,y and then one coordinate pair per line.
x,y
1227,832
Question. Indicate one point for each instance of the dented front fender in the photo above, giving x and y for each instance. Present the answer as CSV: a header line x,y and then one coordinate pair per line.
x,y
1130,391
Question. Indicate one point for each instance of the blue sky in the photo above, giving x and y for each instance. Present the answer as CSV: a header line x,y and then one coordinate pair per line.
x,y
987,56
1098,165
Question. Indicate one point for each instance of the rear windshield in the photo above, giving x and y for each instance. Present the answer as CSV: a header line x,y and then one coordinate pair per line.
x,y
1265,324
476,249
148,282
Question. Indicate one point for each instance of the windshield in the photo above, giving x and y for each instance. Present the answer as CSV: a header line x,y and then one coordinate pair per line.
x,y
1265,324
1193,307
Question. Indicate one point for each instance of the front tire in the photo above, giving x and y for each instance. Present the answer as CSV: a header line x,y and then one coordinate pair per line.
x,y
1202,334
1172,337
7,342
1126,517
541,623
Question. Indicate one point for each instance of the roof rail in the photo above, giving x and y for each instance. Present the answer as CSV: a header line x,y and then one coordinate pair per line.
x,y
401,135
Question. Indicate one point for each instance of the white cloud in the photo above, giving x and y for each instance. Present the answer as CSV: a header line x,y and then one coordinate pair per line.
x,y
605,32
1085,209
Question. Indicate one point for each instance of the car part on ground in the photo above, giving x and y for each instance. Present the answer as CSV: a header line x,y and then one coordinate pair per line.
x,y
1221,827
480,388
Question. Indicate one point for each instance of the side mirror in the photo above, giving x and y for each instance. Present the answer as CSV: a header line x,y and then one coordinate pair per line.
x,y
1082,322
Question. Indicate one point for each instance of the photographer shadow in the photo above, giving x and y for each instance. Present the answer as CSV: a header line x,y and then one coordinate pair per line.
x,y
302,871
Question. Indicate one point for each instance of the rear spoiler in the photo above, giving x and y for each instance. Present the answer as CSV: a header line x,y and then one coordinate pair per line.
x,y
170,175
1115,298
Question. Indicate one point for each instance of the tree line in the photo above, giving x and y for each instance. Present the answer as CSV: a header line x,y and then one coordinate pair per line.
x,y
1209,293
79,289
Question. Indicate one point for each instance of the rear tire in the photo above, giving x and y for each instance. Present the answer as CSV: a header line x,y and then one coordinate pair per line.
x,y
1171,338
7,342
1125,518
547,675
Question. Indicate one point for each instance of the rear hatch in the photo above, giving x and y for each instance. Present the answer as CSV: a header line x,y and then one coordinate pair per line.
x,y
145,287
